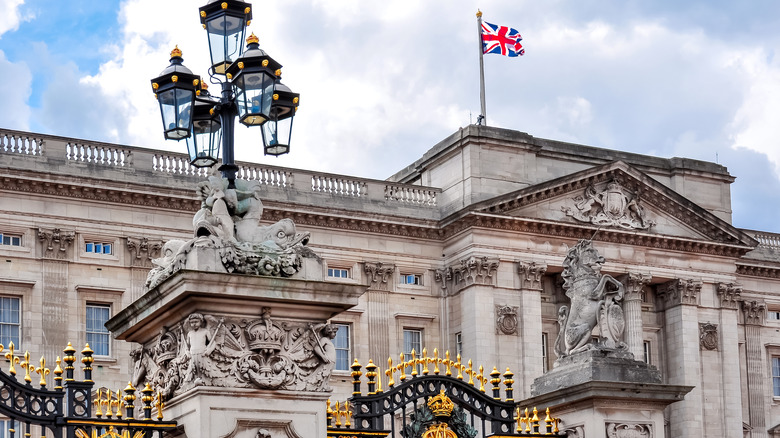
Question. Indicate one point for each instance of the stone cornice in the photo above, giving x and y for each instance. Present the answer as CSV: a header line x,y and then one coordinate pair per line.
x,y
758,270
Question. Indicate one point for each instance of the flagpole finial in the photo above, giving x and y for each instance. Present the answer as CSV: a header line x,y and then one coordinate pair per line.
x,y
479,13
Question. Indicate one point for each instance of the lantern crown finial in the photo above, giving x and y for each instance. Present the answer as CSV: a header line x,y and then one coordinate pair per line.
x,y
176,52
252,39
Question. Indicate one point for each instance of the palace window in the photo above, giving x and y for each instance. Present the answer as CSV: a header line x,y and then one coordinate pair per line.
x,y
342,345
10,321
648,357
10,239
98,247
5,428
773,315
458,344
338,272
98,337
415,279
545,367
413,341
776,376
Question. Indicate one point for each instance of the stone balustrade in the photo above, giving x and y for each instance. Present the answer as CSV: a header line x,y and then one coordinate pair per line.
x,y
765,239
172,170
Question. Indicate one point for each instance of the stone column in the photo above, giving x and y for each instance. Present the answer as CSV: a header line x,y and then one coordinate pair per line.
x,y
531,274
683,360
141,252
379,277
754,313
56,249
632,309
731,410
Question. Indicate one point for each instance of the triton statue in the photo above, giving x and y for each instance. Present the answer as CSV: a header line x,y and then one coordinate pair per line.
x,y
230,237
595,302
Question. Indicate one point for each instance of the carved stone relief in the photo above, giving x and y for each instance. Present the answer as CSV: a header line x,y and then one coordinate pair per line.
x,y
227,229
595,301
574,432
379,274
55,242
143,250
708,336
473,270
611,205
680,291
531,274
623,430
754,312
506,320
237,352
246,428
729,294
635,283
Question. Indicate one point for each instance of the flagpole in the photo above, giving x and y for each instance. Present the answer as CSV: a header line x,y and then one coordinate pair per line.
x,y
481,73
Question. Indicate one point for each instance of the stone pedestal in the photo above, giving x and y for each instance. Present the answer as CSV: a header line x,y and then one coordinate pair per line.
x,y
609,395
263,365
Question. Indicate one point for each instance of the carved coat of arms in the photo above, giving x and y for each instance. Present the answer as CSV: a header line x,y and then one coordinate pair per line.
x,y
614,206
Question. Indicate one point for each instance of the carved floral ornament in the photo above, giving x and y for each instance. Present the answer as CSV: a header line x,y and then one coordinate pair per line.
x,y
267,353
729,294
143,250
378,274
531,274
610,205
754,312
624,430
680,291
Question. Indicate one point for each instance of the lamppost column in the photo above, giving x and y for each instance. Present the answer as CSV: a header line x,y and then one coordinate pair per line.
x,y
227,117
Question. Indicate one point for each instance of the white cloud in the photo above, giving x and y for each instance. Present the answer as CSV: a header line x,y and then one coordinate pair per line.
x,y
12,16
15,87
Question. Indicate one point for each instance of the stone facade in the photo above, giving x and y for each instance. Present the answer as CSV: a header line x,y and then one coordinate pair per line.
x,y
462,250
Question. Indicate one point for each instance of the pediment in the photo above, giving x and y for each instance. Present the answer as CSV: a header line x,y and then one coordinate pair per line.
x,y
616,197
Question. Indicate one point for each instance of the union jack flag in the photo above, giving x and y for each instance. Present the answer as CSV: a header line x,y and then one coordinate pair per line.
x,y
501,40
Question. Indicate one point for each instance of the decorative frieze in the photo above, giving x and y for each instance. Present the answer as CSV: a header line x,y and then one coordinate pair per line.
x,y
264,352
55,242
378,275
142,250
506,319
473,270
754,312
629,430
531,274
680,291
708,336
729,294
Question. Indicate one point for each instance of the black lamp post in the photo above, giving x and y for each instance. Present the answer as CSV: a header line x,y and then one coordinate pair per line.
x,y
250,86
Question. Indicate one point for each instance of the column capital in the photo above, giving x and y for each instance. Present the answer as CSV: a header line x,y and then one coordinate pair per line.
x,y
55,242
142,250
531,274
754,312
730,295
635,283
377,274
680,291
464,273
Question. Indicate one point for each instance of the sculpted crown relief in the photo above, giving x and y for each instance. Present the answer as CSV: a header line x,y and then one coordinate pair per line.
x,y
228,227
595,299
205,350
613,205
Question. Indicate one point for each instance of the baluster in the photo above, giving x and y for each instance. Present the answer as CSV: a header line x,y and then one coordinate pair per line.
x,y
496,380
147,399
129,400
87,361
371,375
58,375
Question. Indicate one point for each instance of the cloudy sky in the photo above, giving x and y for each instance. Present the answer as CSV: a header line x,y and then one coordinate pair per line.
x,y
382,82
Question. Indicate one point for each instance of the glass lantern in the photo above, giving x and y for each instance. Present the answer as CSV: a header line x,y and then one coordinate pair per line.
x,y
278,129
225,22
203,146
253,77
175,90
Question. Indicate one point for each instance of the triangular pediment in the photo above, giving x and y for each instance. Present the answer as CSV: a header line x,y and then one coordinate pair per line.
x,y
616,197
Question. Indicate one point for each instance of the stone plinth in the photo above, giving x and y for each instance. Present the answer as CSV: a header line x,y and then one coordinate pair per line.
x,y
595,365
610,395
236,355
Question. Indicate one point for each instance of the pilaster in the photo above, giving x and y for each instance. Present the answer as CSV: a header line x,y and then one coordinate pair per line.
x,y
530,274
379,279
680,298
632,310
754,313
728,347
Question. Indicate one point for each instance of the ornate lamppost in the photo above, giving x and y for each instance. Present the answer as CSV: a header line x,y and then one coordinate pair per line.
x,y
251,90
